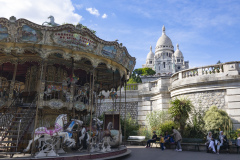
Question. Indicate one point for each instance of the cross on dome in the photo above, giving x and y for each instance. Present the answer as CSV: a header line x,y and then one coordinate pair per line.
x,y
163,29
177,46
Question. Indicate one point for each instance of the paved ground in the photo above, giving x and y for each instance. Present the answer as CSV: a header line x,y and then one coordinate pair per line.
x,y
141,153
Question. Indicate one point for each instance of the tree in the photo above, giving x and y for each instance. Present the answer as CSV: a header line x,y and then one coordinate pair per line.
x,y
216,119
219,62
155,120
135,77
179,110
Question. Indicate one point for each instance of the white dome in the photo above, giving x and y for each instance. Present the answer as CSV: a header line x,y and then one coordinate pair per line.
x,y
150,54
178,53
164,40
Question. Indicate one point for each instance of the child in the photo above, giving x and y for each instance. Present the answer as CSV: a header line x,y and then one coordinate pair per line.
x,y
162,142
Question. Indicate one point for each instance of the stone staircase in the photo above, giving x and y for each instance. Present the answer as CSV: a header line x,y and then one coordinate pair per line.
x,y
14,124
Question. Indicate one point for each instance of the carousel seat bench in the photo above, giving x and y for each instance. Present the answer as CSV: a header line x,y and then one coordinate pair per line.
x,y
136,139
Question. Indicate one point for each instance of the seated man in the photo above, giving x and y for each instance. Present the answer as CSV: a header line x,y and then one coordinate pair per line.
x,y
166,137
154,137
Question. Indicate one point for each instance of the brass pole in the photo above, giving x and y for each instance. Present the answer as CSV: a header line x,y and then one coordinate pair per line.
x,y
119,119
36,116
125,116
92,88
113,103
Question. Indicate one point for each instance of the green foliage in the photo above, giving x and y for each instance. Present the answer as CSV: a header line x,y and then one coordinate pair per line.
x,y
216,119
155,120
144,131
179,110
135,77
167,126
195,128
219,62
132,126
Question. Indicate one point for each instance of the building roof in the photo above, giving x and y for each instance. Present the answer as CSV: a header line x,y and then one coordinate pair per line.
x,y
164,40
150,54
178,53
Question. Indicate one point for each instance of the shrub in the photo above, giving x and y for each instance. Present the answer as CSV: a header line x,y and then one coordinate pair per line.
x,y
155,120
167,126
179,110
195,127
216,119
144,131
132,126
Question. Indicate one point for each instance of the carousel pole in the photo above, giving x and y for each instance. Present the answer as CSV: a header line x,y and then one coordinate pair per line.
x,y
13,80
92,92
36,116
120,106
113,103
73,86
125,116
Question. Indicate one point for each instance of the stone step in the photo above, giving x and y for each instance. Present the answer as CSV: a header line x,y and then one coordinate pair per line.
x,y
1,142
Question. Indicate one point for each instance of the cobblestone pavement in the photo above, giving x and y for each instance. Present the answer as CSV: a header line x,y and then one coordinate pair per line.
x,y
141,153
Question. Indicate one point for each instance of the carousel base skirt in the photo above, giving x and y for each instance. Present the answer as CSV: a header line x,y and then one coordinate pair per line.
x,y
115,153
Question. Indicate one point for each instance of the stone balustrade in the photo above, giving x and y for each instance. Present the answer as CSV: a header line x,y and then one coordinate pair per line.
x,y
229,68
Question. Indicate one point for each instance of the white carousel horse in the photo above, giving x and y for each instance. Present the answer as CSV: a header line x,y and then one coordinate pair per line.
x,y
51,23
84,137
95,139
50,146
59,124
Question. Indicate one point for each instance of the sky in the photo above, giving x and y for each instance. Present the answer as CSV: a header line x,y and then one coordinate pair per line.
x,y
206,30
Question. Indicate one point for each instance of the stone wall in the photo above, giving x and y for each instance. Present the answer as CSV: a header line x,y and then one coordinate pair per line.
x,y
131,108
206,99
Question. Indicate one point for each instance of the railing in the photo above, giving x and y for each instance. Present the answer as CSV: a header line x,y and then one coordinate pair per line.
x,y
229,67
190,73
132,87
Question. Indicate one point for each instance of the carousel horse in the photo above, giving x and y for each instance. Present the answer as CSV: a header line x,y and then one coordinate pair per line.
x,y
51,23
51,146
83,139
94,139
105,137
61,120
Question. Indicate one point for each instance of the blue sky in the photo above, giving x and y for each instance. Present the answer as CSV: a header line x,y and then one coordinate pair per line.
x,y
206,30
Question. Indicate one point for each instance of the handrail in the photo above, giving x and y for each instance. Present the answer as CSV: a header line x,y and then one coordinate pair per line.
x,y
18,134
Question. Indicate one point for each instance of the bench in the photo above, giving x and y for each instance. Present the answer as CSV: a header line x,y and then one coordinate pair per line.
x,y
136,139
194,142
157,142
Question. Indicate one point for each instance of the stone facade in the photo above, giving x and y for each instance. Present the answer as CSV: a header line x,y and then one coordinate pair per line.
x,y
206,99
217,85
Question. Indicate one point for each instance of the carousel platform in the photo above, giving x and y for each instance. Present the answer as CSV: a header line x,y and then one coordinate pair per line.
x,y
115,153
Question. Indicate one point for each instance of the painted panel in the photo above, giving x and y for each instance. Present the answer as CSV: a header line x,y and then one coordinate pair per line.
x,y
29,34
3,32
109,51
66,38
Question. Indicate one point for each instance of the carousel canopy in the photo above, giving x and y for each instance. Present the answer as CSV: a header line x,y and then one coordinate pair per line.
x,y
69,47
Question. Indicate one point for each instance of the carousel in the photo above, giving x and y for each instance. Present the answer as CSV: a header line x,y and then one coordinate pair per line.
x,y
51,79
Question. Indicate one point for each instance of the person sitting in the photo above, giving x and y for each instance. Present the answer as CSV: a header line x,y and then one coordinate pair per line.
x,y
167,138
154,138
238,140
211,145
209,139
222,142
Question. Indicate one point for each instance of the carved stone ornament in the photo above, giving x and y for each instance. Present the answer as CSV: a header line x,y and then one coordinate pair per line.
x,y
55,104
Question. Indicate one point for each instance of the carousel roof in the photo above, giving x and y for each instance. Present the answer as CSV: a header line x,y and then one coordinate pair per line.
x,y
23,41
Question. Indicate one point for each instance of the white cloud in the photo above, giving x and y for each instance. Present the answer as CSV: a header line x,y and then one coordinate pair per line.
x,y
104,16
93,11
78,6
38,11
